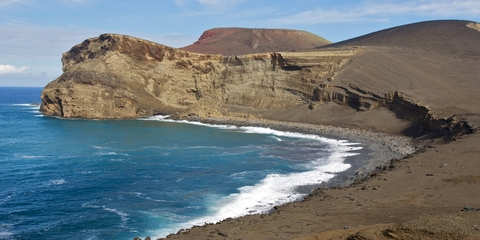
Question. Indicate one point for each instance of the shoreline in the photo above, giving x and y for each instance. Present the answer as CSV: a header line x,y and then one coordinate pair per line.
x,y
381,148
378,150
421,186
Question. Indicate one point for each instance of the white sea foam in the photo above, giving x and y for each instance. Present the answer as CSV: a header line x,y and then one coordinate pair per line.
x,y
7,199
99,147
57,182
243,174
275,189
143,196
28,105
167,119
5,234
122,215
276,139
202,147
88,205
110,154
256,130
31,156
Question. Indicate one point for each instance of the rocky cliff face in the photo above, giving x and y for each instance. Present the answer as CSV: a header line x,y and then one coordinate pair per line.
x,y
116,77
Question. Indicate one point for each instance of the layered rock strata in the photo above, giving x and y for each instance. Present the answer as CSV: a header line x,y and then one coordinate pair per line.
x,y
115,77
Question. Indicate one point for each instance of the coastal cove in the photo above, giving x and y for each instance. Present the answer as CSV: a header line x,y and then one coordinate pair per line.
x,y
107,171
374,137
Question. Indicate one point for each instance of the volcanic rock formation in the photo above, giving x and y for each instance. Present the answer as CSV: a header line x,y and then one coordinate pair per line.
x,y
115,76
240,41
425,73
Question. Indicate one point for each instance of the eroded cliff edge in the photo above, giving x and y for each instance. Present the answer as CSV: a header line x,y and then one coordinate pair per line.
x,y
116,77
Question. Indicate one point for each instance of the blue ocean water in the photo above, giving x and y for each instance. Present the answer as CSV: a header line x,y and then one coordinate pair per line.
x,y
92,179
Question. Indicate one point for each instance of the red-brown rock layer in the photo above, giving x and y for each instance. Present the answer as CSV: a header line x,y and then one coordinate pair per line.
x,y
240,41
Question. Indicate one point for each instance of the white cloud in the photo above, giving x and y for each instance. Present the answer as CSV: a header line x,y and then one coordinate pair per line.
x,y
211,2
374,12
8,2
10,69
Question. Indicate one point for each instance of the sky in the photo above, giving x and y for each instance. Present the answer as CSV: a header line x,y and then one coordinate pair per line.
x,y
35,33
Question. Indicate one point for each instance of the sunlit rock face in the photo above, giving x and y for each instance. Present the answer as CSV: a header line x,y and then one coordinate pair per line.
x,y
426,73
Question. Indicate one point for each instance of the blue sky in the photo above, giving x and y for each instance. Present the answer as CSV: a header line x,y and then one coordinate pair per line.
x,y
35,33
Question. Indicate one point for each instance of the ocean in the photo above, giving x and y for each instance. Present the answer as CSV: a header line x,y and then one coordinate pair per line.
x,y
118,179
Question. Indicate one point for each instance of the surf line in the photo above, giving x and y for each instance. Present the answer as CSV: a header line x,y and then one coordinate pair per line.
x,y
274,189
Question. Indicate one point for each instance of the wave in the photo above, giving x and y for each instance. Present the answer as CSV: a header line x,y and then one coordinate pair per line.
x,y
36,105
6,231
244,174
31,106
121,214
57,182
6,234
252,129
274,189
7,199
32,156
166,118
110,154
100,147
86,172
88,205
276,139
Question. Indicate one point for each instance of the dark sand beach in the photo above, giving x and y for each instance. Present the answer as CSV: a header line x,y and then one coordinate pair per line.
x,y
430,194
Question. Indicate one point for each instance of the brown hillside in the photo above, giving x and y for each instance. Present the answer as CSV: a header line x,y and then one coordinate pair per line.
x,y
435,64
445,36
239,41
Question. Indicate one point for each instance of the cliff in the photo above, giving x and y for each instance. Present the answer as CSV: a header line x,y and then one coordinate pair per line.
x,y
115,76
240,41
433,89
